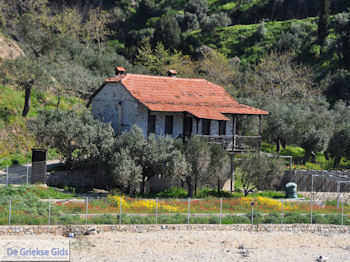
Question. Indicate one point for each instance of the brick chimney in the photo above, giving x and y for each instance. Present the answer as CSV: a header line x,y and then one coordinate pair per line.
x,y
119,71
172,73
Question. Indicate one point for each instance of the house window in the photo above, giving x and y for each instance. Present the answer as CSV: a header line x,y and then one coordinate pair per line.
x,y
152,124
222,127
205,126
169,120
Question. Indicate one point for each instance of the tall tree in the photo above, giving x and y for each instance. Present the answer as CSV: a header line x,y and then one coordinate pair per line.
x,y
197,152
323,23
79,137
69,22
260,172
159,60
168,32
96,26
29,23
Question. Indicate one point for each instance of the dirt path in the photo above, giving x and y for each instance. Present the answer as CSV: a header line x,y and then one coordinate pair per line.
x,y
206,246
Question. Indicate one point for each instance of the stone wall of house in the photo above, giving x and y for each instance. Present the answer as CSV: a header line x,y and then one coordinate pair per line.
x,y
105,106
87,229
160,123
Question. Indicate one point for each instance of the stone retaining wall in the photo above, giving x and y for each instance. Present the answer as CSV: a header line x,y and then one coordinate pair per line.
x,y
85,229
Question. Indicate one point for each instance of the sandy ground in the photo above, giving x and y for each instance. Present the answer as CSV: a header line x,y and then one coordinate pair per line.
x,y
205,246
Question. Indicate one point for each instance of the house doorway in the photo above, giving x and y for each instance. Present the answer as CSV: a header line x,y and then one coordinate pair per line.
x,y
187,126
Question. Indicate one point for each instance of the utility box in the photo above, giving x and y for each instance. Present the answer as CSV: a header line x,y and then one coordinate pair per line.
x,y
38,172
291,190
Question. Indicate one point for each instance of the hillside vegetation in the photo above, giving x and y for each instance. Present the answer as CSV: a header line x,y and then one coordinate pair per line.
x,y
291,58
16,141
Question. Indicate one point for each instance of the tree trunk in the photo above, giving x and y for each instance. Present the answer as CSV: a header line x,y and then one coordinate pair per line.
x,y
306,157
336,161
283,142
218,188
190,186
195,184
246,192
313,157
326,155
143,186
99,45
277,145
58,102
26,102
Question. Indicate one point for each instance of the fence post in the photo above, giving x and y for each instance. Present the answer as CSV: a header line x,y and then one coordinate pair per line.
x,y
342,213
312,192
50,211
86,211
157,210
188,210
338,193
27,174
220,210
282,213
120,213
10,204
311,211
252,219
7,175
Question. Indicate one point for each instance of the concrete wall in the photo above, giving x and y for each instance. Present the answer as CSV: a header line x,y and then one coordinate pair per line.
x,y
105,106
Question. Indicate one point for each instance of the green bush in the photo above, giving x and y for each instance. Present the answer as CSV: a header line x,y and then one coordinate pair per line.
x,y
272,219
235,220
270,194
176,219
173,192
207,192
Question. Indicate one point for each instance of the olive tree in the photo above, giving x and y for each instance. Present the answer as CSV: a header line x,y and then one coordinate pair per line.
x,y
28,73
260,172
197,154
217,173
154,156
339,144
80,138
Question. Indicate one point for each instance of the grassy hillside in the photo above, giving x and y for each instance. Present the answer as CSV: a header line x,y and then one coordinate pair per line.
x,y
244,41
16,141
299,36
221,5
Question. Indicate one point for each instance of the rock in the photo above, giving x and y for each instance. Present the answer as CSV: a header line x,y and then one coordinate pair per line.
x,y
91,231
241,246
321,259
244,253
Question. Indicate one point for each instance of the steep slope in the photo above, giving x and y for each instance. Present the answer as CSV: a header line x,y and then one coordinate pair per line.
x,y
16,141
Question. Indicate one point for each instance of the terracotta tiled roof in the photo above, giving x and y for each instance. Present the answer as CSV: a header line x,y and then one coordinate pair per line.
x,y
196,96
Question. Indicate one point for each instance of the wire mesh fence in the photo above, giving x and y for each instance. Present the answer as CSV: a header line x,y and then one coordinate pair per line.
x,y
322,185
29,173
125,210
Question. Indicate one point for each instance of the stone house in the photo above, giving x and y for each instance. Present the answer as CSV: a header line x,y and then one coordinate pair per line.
x,y
168,105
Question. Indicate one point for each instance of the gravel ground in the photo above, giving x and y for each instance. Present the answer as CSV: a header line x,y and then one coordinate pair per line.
x,y
206,246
